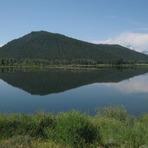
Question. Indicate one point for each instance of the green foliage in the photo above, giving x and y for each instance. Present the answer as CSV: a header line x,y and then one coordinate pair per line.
x,y
74,130
59,49
144,118
22,124
112,131
138,134
114,112
119,129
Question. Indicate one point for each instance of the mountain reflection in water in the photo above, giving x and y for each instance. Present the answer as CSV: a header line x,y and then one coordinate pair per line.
x,y
44,82
29,90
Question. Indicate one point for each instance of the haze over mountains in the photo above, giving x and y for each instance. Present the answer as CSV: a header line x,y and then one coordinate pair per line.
x,y
45,45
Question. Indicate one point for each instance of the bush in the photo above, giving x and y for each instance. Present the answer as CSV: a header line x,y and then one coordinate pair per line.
x,y
114,112
144,119
112,131
75,129
138,134
23,124
119,129
38,123
111,128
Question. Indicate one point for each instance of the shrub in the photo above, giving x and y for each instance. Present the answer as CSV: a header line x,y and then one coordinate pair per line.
x,y
35,125
111,128
112,131
144,119
23,124
138,135
115,112
75,129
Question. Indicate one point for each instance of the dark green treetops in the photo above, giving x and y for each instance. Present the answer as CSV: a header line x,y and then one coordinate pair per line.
x,y
51,46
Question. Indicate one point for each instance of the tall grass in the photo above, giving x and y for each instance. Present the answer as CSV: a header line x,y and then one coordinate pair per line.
x,y
111,127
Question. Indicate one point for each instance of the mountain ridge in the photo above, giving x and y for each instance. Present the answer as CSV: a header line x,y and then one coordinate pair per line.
x,y
46,45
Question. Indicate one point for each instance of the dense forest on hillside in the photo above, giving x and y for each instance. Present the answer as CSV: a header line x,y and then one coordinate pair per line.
x,y
49,48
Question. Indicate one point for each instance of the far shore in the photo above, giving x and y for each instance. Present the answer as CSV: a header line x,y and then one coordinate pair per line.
x,y
91,67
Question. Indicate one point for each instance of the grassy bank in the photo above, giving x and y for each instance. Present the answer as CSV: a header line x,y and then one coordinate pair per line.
x,y
111,127
89,67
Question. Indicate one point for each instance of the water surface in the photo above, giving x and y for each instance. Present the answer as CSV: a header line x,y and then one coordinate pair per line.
x,y
29,90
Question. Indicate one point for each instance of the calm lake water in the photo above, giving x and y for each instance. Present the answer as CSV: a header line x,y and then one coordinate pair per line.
x,y
29,90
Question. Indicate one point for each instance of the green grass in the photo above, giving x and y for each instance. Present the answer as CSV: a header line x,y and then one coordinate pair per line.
x,y
111,127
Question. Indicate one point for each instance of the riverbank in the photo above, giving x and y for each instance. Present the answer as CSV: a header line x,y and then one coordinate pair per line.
x,y
110,127
83,67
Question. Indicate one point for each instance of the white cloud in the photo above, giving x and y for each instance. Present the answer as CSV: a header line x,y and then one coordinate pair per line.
x,y
1,45
138,41
134,85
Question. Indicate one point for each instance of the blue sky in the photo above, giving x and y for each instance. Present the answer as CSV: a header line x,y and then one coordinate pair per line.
x,y
123,22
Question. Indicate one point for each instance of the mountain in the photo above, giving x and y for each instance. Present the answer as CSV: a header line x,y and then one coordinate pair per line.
x,y
45,45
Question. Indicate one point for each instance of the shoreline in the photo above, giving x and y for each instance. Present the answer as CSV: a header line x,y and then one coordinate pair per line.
x,y
89,67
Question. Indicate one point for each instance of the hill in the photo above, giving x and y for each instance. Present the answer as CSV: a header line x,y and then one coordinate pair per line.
x,y
51,46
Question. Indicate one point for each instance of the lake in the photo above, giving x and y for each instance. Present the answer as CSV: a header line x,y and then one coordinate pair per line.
x,y
52,90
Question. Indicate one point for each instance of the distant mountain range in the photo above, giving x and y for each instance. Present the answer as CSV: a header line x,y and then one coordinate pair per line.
x,y
45,45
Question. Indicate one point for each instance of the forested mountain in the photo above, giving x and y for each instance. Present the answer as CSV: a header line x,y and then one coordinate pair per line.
x,y
51,46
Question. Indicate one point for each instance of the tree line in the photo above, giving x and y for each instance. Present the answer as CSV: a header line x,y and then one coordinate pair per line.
x,y
27,61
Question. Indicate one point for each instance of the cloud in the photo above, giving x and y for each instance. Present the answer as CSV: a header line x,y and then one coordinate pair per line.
x,y
1,45
134,85
138,41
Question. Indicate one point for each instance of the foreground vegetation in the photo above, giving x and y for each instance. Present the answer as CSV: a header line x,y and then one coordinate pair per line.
x,y
111,127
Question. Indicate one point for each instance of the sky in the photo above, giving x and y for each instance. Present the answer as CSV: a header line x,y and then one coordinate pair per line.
x,y
123,22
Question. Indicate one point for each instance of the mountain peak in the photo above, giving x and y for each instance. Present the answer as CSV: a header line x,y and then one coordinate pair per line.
x,y
46,45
